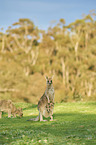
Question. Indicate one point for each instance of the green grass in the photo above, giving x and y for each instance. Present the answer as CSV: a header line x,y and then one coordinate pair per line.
x,y
74,124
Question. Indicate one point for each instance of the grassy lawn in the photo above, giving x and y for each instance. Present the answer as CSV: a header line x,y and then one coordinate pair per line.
x,y
74,124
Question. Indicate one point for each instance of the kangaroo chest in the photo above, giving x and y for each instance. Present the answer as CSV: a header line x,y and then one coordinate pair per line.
x,y
50,93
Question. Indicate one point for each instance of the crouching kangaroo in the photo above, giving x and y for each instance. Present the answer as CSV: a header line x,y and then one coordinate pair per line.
x,y
8,106
46,102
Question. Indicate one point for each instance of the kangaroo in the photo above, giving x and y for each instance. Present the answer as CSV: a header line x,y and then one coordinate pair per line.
x,y
7,106
46,102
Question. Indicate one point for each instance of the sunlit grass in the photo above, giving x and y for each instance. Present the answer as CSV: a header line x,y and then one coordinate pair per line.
x,y
74,124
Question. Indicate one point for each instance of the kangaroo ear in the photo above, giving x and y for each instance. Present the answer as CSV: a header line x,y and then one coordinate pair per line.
x,y
46,77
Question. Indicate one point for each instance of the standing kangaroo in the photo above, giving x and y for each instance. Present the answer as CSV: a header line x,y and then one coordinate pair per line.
x,y
46,102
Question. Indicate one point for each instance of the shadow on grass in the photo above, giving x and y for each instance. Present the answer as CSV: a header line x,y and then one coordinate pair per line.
x,y
30,107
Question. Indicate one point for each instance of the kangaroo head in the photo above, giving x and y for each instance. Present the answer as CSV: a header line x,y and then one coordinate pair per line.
x,y
48,80
19,112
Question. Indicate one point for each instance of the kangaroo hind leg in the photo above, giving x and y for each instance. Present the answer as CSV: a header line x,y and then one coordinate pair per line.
x,y
9,113
41,117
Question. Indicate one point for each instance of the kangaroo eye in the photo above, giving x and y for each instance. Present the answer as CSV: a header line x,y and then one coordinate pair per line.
x,y
51,81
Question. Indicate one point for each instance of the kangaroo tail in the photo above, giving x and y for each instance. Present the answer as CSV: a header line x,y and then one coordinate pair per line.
x,y
34,119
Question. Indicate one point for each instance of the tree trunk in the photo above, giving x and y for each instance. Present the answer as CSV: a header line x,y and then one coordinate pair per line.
x,y
63,70
89,89
76,49
67,77
86,40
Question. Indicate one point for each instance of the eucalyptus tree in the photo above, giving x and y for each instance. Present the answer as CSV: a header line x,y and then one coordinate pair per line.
x,y
23,38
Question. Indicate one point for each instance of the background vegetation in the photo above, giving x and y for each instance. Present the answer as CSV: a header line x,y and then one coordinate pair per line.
x,y
27,54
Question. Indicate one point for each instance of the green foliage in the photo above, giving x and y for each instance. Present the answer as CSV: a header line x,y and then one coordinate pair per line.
x,y
74,123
